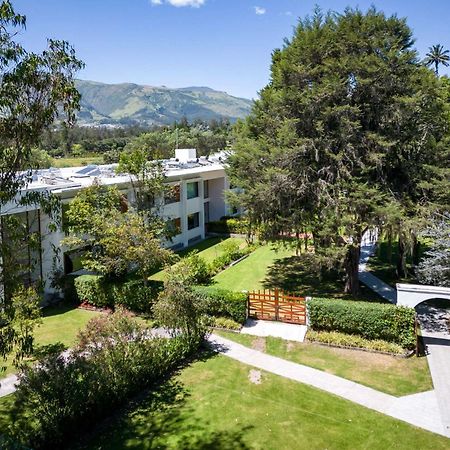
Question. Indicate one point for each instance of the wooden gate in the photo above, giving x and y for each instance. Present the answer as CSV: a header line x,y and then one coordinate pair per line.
x,y
277,305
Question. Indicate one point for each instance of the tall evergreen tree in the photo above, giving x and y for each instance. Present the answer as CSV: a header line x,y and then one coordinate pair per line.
x,y
341,137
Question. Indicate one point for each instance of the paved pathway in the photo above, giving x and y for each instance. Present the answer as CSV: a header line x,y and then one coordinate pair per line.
x,y
288,331
434,323
368,245
419,409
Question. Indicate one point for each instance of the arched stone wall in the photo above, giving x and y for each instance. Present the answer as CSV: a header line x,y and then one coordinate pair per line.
x,y
413,294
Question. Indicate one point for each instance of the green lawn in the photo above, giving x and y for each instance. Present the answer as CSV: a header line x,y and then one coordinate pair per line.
x,y
60,324
209,249
77,162
250,273
390,374
213,404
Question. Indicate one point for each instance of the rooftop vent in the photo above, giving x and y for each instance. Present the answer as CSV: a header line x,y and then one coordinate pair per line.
x,y
185,154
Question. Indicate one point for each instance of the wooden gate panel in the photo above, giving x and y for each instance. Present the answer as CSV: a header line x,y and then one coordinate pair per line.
x,y
277,305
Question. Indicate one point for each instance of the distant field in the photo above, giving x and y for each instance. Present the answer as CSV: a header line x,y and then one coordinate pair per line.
x,y
76,162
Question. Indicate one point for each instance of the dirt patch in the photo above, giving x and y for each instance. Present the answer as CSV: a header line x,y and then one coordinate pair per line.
x,y
259,344
290,346
254,376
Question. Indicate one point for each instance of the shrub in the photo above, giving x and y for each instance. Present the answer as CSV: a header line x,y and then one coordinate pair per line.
x,y
225,322
113,360
232,252
94,290
351,340
370,320
192,269
135,296
223,303
228,225
181,310
132,295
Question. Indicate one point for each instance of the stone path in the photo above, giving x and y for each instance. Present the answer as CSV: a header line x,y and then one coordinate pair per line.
x,y
419,409
436,336
368,245
263,328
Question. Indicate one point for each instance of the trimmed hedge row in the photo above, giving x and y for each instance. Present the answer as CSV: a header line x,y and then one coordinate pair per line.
x,y
370,320
228,225
132,295
224,303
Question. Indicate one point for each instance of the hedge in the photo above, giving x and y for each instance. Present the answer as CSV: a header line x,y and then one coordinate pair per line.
x,y
370,320
225,303
132,294
228,225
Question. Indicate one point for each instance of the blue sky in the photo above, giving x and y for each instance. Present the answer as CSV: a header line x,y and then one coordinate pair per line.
x,y
223,44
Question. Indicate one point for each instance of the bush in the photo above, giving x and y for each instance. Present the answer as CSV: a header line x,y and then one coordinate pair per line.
x,y
229,225
192,269
94,290
370,320
132,295
232,252
228,324
135,296
351,340
224,303
113,360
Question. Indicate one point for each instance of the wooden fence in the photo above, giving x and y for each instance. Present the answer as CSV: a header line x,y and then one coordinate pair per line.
x,y
277,305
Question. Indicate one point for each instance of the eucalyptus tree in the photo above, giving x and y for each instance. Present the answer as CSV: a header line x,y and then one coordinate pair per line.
x,y
35,90
341,137
437,55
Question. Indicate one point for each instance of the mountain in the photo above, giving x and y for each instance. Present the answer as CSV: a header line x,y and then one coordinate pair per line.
x,y
128,103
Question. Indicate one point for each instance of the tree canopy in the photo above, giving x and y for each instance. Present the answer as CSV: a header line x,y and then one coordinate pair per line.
x,y
344,135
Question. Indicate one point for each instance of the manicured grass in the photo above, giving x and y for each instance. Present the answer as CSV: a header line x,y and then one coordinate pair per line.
x,y
77,162
213,404
390,374
60,324
209,249
250,273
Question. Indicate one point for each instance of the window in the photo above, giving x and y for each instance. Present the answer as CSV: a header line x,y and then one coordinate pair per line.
x,y
193,221
174,226
206,189
172,195
192,190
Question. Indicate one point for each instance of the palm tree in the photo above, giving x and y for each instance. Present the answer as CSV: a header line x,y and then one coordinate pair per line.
x,y
437,55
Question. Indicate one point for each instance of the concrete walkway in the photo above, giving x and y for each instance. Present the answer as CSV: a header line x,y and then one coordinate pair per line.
x,y
419,409
264,328
368,245
434,323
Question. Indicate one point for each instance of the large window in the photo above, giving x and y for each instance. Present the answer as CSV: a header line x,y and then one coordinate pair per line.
x,y
172,195
193,221
192,189
206,189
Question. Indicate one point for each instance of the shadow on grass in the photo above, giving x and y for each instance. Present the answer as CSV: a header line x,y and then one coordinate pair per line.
x,y
292,274
161,418
59,308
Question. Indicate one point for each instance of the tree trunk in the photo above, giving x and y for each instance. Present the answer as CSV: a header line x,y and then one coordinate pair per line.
x,y
351,269
416,251
402,271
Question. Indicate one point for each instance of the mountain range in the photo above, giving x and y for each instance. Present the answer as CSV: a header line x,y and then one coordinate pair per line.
x,y
129,103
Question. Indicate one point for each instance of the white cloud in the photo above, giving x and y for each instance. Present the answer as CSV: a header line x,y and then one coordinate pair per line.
x,y
180,3
259,11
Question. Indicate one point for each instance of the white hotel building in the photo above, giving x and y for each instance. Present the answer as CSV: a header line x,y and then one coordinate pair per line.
x,y
198,197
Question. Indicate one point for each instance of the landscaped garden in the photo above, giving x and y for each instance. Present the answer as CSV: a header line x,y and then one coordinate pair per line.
x,y
219,403
60,325
391,374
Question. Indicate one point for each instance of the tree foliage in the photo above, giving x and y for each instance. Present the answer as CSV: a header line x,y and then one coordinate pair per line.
x,y
434,268
35,90
342,136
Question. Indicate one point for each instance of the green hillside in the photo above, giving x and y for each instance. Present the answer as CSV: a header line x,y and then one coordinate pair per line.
x,y
134,103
